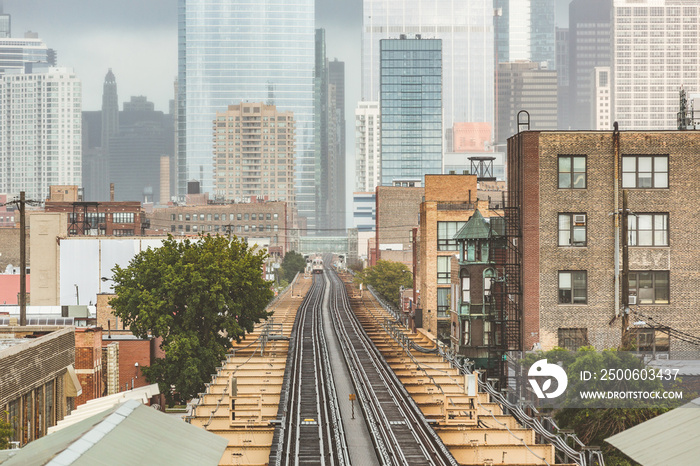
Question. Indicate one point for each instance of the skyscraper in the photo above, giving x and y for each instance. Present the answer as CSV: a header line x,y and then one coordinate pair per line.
x,y
590,45
368,147
542,32
525,85
512,25
15,53
656,53
525,31
237,51
254,153
40,119
411,108
466,30
110,110
336,143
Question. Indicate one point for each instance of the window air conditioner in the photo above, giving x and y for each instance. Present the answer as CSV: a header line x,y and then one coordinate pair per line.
x,y
632,300
580,220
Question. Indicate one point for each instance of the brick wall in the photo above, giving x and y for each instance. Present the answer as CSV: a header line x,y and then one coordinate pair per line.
x,y
397,215
543,258
88,363
9,247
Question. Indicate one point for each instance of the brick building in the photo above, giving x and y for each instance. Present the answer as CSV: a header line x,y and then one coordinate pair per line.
x,y
133,352
397,215
88,363
450,200
568,186
38,383
263,222
100,218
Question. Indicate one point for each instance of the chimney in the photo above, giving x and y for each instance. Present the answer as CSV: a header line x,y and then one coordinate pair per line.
x,y
111,192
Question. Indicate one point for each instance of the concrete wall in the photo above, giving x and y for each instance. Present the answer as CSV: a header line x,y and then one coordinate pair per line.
x,y
46,228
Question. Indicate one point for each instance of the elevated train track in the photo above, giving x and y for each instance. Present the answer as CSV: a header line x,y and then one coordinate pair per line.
x,y
310,429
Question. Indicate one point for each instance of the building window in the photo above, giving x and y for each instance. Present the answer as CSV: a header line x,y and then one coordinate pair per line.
x,y
172,217
443,302
239,216
651,340
572,229
649,287
445,233
645,171
187,217
123,232
208,217
179,217
573,338
267,216
443,267
465,285
573,287
648,229
275,216
125,217
572,172
216,217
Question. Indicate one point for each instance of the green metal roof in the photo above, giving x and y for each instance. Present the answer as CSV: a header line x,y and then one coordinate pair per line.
x,y
476,228
671,438
130,433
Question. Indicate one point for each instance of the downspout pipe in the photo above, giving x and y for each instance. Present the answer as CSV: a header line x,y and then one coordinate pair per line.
x,y
616,213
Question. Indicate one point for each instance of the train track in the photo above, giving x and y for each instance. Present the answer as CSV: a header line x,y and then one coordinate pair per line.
x,y
400,432
311,430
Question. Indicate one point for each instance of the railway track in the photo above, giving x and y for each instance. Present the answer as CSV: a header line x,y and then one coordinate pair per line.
x,y
311,429
400,432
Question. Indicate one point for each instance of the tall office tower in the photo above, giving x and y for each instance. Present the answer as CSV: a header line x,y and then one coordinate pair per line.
x,y
525,86
656,43
602,98
562,66
40,121
512,30
524,30
411,108
110,110
466,30
321,150
16,53
233,51
590,45
5,25
368,149
336,143
135,150
254,153
542,32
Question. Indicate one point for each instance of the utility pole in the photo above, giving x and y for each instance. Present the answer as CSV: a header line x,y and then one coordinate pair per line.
x,y
22,262
625,341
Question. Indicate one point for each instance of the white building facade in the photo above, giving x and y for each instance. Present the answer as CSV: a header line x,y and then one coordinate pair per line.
x,y
40,127
368,146
602,98
655,53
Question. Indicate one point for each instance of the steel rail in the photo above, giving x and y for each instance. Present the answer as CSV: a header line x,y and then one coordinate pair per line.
x,y
413,428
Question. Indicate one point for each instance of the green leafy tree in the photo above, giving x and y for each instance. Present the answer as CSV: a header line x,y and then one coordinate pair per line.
x,y
6,431
197,296
594,424
293,262
386,277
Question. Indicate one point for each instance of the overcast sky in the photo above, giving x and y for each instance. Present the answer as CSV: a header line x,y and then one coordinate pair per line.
x,y
138,40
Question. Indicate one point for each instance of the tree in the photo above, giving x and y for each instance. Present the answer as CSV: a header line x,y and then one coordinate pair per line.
x,y
6,431
387,277
592,423
197,296
293,262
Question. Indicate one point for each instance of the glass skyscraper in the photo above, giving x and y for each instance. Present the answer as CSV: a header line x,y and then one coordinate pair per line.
x,y
466,30
411,108
233,51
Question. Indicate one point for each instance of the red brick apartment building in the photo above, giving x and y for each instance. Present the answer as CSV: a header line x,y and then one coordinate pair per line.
x,y
569,187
